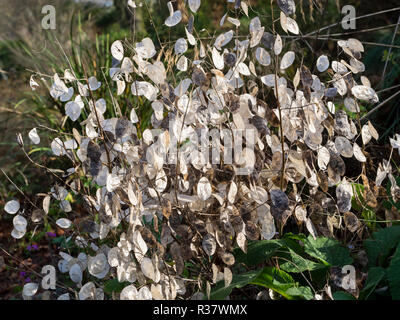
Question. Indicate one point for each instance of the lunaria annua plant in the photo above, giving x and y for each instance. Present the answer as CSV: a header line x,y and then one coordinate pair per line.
x,y
245,140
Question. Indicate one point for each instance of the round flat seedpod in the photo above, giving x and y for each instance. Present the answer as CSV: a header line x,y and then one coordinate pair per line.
x,y
287,6
30,289
94,84
117,50
16,234
12,207
146,48
20,223
263,57
129,293
204,189
181,46
287,60
217,58
174,19
73,110
364,93
344,147
64,223
194,5
322,63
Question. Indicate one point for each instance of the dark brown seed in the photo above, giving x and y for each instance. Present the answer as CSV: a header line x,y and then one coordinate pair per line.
x,y
351,221
336,166
369,197
237,223
87,226
227,258
252,231
279,199
306,77
322,181
199,78
176,253
93,151
232,101
37,215
268,40
184,231
230,59
123,127
261,125
174,220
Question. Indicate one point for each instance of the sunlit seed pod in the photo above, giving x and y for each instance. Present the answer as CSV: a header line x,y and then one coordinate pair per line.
x,y
30,289
20,223
194,5
287,60
175,16
64,223
117,50
322,63
12,207
287,6
351,221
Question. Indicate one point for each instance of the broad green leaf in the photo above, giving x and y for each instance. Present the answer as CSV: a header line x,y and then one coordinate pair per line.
x,y
393,274
293,257
375,276
291,261
238,281
381,243
293,236
257,252
304,292
293,241
328,251
260,251
269,277
114,285
341,295
282,283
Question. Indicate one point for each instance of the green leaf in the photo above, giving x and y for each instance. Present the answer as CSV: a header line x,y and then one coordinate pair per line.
x,y
17,289
341,295
114,285
304,292
260,251
370,216
293,241
294,237
328,251
238,281
38,149
257,252
375,276
393,274
283,283
357,197
269,277
291,261
381,243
